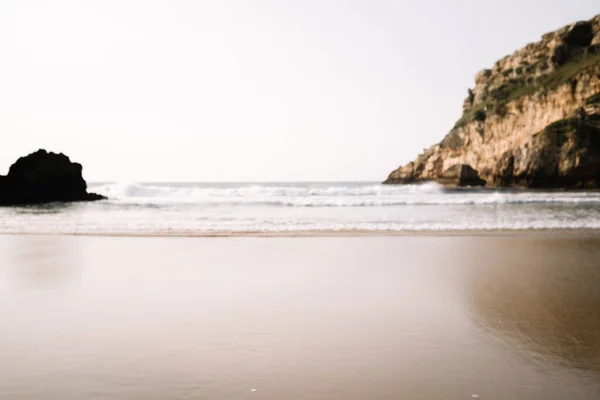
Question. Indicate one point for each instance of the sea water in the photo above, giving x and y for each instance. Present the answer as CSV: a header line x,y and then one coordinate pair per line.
x,y
223,208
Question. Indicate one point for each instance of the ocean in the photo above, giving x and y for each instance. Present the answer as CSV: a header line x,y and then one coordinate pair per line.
x,y
237,208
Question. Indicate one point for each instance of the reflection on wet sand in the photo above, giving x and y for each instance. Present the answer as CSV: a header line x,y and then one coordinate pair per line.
x,y
298,318
39,261
542,299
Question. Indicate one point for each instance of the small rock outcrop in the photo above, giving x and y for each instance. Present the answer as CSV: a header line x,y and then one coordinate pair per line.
x,y
533,120
44,177
460,175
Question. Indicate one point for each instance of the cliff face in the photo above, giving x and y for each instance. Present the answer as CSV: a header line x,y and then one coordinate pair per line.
x,y
533,120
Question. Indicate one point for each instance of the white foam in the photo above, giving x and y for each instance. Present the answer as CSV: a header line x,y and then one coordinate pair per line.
x,y
136,208
138,190
257,194
331,196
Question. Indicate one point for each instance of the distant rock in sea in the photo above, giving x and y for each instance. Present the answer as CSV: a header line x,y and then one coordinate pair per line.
x,y
44,177
533,120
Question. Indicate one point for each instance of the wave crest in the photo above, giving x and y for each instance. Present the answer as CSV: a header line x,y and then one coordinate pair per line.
x,y
334,195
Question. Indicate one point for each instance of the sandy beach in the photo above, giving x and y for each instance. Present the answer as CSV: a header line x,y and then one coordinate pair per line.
x,y
331,317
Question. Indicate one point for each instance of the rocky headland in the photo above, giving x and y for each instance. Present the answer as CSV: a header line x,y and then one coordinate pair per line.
x,y
44,177
533,120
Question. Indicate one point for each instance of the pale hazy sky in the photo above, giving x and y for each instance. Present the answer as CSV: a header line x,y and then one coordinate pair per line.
x,y
195,90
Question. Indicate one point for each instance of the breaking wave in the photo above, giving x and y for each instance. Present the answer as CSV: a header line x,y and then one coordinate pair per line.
x,y
335,195
229,209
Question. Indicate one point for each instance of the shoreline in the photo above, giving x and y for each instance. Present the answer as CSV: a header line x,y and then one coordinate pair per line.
x,y
549,232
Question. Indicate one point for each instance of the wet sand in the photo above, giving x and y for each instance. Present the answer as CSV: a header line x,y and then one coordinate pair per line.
x,y
392,317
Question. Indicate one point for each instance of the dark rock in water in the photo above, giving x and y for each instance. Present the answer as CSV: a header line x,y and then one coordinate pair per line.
x,y
460,175
44,177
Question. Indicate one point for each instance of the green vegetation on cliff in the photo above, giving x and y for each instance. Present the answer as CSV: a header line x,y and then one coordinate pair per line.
x,y
517,88
595,99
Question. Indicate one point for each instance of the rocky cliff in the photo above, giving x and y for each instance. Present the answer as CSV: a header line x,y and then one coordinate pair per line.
x,y
533,120
44,177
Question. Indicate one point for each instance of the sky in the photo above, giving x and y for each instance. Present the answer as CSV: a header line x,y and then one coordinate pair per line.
x,y
249,90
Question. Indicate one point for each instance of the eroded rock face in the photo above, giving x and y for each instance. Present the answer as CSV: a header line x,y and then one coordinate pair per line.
x,y
565,154
460,175
508,131
44,177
